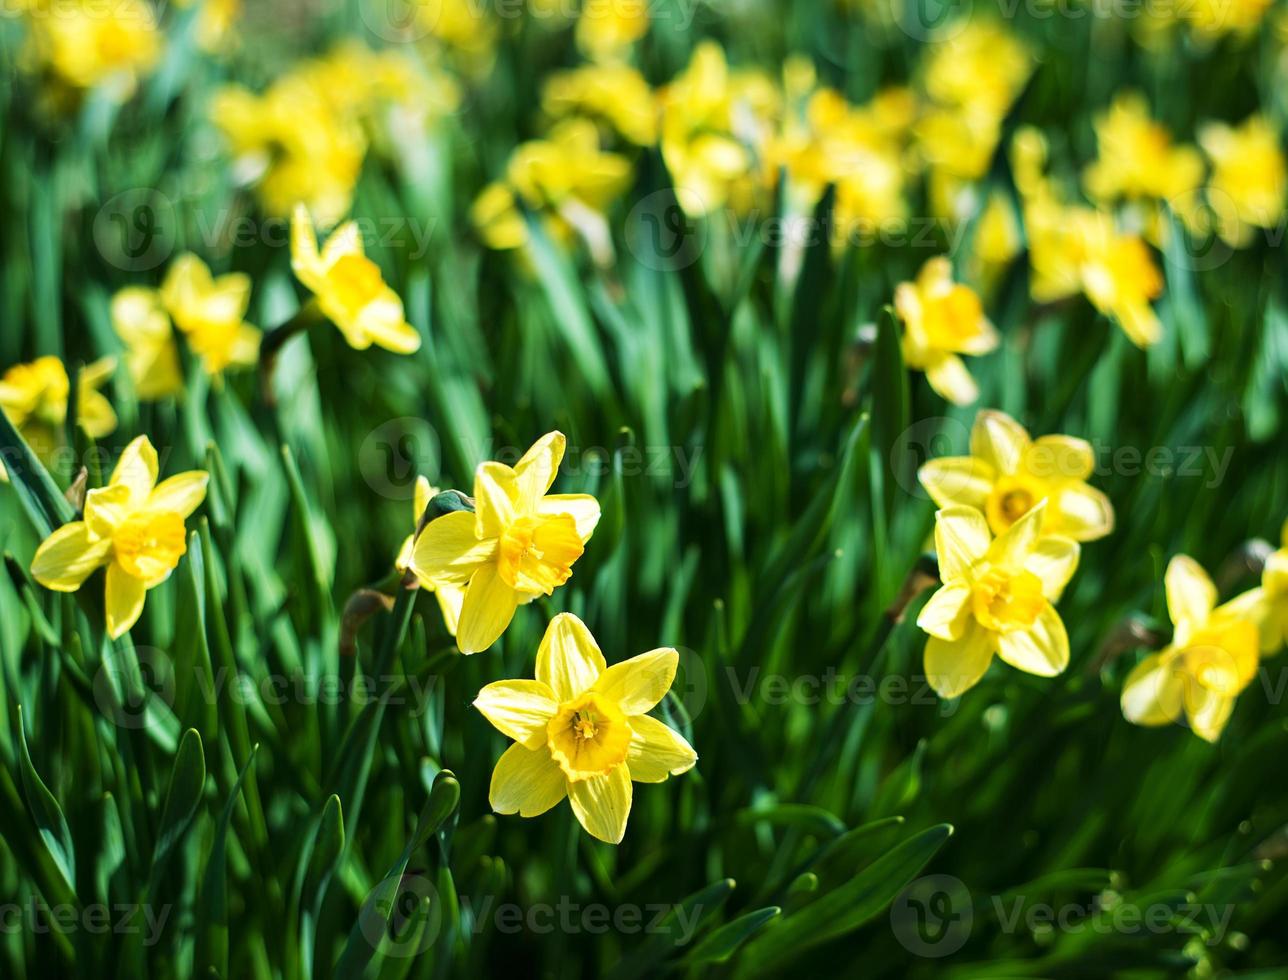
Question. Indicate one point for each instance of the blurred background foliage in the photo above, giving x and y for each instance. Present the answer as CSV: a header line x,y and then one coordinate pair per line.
x,y
742,411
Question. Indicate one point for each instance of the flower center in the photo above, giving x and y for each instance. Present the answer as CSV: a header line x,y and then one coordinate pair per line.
x,y
588,736
952,319
1004,601
1008,502
354,281
536,553
149,544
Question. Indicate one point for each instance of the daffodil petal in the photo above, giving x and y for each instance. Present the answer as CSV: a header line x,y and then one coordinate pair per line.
x,y
495,499
569,661
1154,691
998,440
1207,711
657,751
955,666
1041,649
68,556
95,415
305,262
106,508
957,481
582,507
1053,560
1190,593
537,470
638,684
384,321
520,709
487,610
1014,546
137,469
448,550
527,782
1058,457
948,375
961,539
947,612
124,600
182,494
603,803
451,598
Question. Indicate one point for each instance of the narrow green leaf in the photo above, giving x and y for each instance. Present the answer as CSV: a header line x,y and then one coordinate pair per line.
x,y
722,943
45,811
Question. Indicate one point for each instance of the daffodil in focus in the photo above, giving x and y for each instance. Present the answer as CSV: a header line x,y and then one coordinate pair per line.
x,y
134,526
84,45
997,597
942,320
151,357
210,313
581,731
349,288
34,397
1267,605
1249,178
520,543
1008,473
1212,657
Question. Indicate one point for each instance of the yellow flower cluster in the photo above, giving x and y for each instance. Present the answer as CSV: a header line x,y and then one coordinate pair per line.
x,y
34,398
78,45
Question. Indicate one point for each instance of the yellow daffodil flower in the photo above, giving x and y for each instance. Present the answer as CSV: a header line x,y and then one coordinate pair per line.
x,y
349,288
607,29
1137,158
943,320
209,311
520,543
997,597
581,730
1007,474
615,93
151,357
133,526
34,397
1212,657
1249,177
980,65
1210,19
85,45
1267,605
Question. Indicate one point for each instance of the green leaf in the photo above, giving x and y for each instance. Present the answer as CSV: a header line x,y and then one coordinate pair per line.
x,y
45,811
39,495
184,794
211,958
676,930
722,943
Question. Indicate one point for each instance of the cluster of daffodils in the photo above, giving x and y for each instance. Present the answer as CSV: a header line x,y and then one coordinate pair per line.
x,y
581,728
304,139
35,396
1013,516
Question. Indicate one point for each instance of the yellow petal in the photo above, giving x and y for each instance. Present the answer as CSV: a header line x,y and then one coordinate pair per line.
x,y
495,499
486,611
448,551
1014,546
526,782
961,539
124,603
106,508
137,469
568,661
1059,458
345,240
67,557
582,507
1082,512
951,380
948,611
520,709
305,261
1190,593
182,494
638,684
1041,649
421,497
657,751
955,666
537,470
384,322
602,804
95,415
998,440
957,481
1053,560
1154,690
451,598
1207,711
403,561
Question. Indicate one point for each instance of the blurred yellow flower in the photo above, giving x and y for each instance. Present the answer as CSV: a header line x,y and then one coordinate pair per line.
x,y
1267,605
1213,18
210,313
349,288
996,597
581,731
34,397
151,357
1007,474
1137,158
83,44
608,28
520,543
979,65
134,526
216,22
615,93
943,320
464,27
1212,657
1249,180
